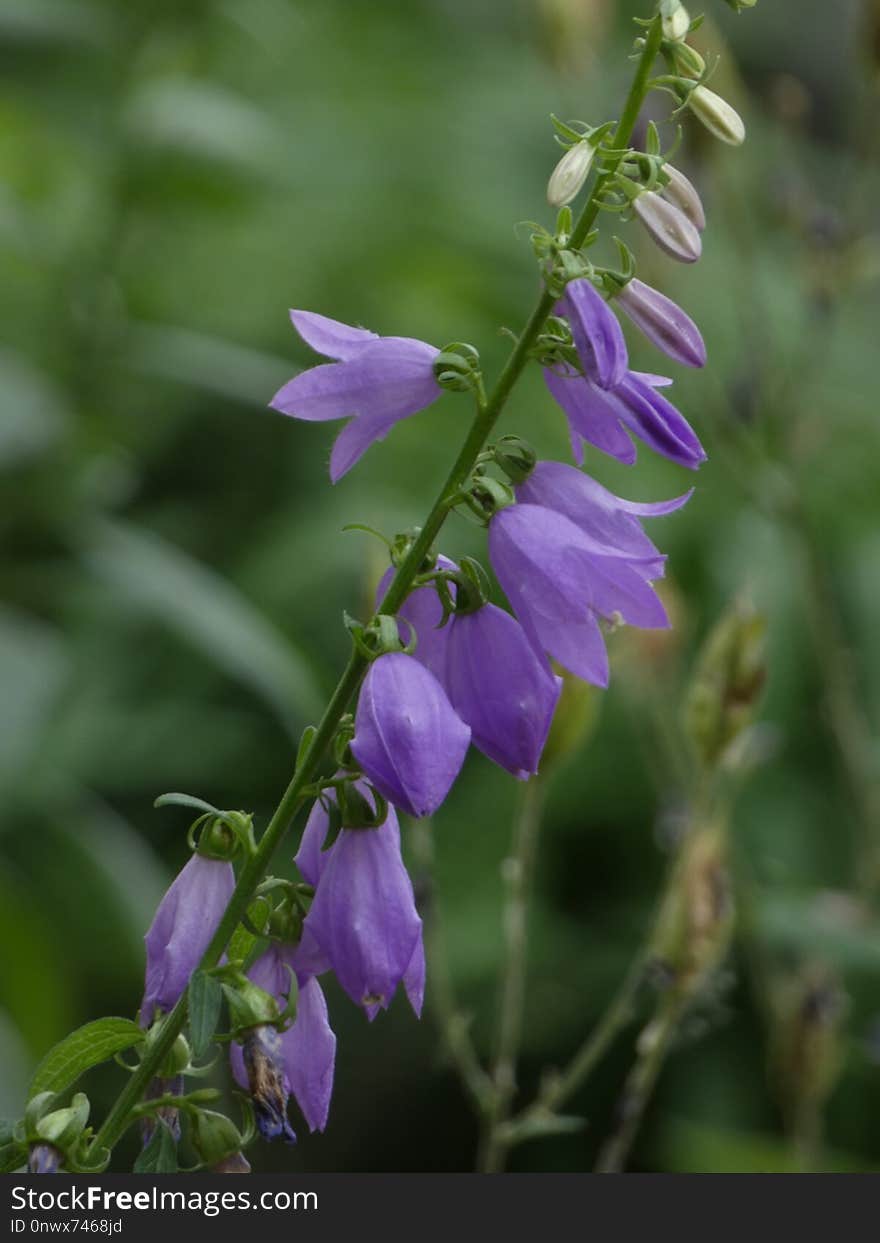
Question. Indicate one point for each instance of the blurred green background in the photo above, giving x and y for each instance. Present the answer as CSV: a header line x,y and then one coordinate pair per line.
x,y
173,176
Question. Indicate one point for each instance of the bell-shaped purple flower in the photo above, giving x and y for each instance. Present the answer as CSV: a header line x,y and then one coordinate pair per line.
x,y
560,583
307,1050
186,920
408,739
608,521
664,323
376,382
44,1159
597,336
495,680
602,417
363,916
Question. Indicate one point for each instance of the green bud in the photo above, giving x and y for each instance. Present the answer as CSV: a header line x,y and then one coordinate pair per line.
x,y
696,920
220,835
515,457
727,683
717,115
687,60
177,1061
249,1005
63,1127
808,1051
214,1136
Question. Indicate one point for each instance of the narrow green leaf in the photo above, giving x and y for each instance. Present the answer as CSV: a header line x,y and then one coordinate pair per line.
x,y
13,1155
206,610
160,1154
205,997
86,1047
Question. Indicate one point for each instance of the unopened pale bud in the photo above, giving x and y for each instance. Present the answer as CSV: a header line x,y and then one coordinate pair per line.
x,y
717,115
687,60
669,227
682,193
569,175
676,22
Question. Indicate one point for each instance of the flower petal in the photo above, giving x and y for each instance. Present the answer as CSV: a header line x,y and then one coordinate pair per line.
x,y
593,415
330,337
655,420
596,333
308,1049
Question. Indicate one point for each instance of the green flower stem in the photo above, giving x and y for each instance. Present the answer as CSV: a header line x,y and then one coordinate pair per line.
x,y
488,412
517,872
653,1046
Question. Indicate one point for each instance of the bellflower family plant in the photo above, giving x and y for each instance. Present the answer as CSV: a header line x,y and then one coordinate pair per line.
x,y
235,955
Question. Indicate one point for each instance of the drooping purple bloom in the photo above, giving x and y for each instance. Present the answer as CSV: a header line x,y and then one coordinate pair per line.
x,y
496,681
186,920
363,915
307,1050
560,582
375,381
664,323
602,417
597,336
608,521
408,739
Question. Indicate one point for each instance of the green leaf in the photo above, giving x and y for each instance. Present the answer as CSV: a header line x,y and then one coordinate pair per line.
x,y
86,1047
205,997
160,1154
207,611
13,1154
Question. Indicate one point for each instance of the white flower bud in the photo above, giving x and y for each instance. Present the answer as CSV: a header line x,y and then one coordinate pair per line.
x,y
669,227
570,173
676,22
680,192
717,115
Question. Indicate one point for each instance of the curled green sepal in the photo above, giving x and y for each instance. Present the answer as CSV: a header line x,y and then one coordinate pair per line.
x,y
485,497
457,368
378,637
220,833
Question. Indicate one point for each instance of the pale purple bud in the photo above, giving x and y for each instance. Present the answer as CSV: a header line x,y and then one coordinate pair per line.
x,y
680,191
664,323
669,227
569,175
717,115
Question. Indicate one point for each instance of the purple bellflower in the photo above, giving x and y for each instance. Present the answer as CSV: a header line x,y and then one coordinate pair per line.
x,y
597,335
307,1050
186,920
566,558
363,916
602,417
664,323
499,685
375,381
408,739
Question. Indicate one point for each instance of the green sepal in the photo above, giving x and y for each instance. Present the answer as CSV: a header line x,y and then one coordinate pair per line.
x,y
160,1154
204,1000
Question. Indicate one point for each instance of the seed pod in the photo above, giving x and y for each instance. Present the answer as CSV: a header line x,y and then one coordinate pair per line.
x,y
669,227
717,115
683,194
569,175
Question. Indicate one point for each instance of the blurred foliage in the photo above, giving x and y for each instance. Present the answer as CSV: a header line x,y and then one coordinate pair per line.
x,y
173,176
